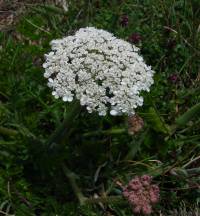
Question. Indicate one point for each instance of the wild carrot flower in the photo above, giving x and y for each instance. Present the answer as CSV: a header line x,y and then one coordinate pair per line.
x,y
141,194
103,72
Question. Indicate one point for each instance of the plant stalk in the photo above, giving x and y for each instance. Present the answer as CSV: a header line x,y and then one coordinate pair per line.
x,y
106,199
106,132
64,131
8,131
72,180
60,132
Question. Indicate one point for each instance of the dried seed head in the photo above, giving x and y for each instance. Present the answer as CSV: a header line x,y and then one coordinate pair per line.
x,y
135,124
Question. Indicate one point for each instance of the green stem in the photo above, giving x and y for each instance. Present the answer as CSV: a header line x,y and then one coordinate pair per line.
x,y
108,199
8,131
106,132
64,130
58,135
136,146
72,180
65,126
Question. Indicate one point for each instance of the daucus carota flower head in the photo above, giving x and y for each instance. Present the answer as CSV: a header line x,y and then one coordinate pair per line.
x,y
141,194
103,72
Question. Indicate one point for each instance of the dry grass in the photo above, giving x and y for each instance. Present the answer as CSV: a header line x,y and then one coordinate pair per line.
x,y
11,10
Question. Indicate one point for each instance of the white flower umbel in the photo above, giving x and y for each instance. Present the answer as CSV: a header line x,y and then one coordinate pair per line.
x,y
103,72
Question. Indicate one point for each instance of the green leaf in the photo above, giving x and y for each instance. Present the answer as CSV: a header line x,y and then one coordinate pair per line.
x,y
188,115
155,121
52,9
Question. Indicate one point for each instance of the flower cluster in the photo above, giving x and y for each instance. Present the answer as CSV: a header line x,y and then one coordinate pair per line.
x,y
135,38
141,194
103,72
124,20
173,78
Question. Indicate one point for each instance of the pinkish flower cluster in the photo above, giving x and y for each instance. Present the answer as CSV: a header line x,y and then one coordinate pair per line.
x,y
124,20
135,38
141,194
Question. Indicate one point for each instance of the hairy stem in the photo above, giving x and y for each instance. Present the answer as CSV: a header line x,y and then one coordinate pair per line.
x,y
72,180
64,131
64,128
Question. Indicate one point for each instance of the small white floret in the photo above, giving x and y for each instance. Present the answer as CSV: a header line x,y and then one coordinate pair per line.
x,y
113,112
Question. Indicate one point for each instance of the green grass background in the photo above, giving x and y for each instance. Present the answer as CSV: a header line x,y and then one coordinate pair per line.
x,y
100,151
